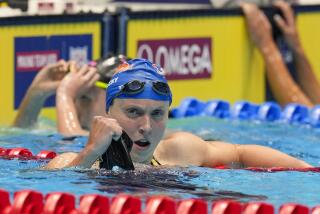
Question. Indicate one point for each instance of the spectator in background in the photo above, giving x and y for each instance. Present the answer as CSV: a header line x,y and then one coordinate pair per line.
x,y
306,90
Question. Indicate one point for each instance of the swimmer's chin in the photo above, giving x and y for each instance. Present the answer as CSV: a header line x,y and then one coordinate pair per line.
x,y
137,159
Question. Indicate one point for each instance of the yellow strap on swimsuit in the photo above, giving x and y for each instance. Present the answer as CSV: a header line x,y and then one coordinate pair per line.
x,y
155,162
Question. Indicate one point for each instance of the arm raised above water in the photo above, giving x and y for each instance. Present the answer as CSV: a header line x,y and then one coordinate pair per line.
x,y
43,86
103,130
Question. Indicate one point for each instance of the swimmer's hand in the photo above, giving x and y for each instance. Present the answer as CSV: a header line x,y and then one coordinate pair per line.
x,y
287,24
48,78
258,26
103,130
78,81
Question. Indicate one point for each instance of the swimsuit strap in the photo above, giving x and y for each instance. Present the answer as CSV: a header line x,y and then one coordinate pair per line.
x,y
155,162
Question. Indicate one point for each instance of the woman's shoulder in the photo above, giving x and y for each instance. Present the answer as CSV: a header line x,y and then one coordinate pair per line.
x,y
180,137
180,148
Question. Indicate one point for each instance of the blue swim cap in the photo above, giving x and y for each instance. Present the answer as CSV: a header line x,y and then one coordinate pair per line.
x,y
143,71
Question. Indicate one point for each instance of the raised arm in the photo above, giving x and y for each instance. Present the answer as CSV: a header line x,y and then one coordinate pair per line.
x,y
187,149
43,86
103,130
282,84
305,75
74,86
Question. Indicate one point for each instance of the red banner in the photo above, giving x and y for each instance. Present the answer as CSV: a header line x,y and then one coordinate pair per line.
x,y
35,60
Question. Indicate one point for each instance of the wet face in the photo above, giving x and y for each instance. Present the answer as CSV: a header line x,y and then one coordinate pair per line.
x,y
89,105
144,121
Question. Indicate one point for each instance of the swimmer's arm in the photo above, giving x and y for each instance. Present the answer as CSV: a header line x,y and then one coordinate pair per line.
x,y
85,159
70,159
68,123
261,156
282,84
43,86
103,130
97,144
29,109
61,161
76,84
306,76
184,148
250,156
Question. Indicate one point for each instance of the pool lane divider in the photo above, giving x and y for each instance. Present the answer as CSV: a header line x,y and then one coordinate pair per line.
x,y
292,113
33,202
25,154
271,169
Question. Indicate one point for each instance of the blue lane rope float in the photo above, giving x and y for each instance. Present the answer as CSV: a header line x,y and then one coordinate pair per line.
x,y
295,113
189,107
216,108
292,113
314,116
269,111
244,110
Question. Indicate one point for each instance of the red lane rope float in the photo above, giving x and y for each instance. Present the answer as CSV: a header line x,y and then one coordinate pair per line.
x,y
60,202
280,169
258,207
94,203
196,206
273,169
46,154
160,204
17,152
25,154
315,210
124,203
5,206
226,207
293,208
27,202
33,202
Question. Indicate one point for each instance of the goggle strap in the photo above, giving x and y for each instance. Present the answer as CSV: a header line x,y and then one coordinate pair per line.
x,y
102,85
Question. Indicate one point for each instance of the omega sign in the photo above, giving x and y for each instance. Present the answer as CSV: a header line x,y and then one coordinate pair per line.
x,y
181,58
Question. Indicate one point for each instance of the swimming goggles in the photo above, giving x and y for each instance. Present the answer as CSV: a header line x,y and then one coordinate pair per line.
x,y
106,68
136,87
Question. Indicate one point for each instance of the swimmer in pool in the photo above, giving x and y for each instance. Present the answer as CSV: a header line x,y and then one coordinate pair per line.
x,y
78,99
137,102
306,90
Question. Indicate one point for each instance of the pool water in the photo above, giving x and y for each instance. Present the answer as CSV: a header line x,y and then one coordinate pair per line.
x,y
188,182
